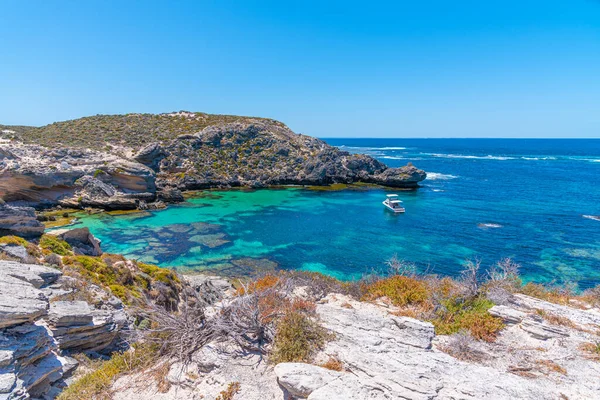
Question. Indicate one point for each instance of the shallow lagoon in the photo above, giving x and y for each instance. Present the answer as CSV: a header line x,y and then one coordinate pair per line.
x,y
528,194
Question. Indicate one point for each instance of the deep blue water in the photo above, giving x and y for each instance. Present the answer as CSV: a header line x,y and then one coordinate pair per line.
x,y
535,191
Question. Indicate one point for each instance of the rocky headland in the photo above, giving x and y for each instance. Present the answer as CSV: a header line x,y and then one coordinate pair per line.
x,y
137,161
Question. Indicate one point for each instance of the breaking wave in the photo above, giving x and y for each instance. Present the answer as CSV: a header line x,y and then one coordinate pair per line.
x,y
594,217
488,157
434,176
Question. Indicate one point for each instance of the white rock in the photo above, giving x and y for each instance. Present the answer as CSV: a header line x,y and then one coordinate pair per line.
x,y
302,379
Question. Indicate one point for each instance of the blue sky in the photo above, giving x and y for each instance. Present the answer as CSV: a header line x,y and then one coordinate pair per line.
x,y
331,69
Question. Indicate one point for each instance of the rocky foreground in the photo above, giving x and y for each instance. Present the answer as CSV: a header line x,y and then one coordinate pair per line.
x,y
383,356
121,162
293,336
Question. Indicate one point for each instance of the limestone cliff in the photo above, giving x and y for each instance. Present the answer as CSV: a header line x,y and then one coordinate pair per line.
x,y
125,162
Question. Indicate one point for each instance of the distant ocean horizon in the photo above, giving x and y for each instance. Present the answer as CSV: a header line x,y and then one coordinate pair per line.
x,y
533,200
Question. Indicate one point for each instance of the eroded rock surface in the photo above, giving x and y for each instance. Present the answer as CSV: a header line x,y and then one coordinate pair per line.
x,y
389,357
35,332
251,152
19,221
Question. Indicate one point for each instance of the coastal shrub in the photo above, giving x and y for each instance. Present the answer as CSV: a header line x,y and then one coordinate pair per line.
x,y
333,363
13,240
401,290
54,245
297,339
32,249
592,296
228,394
259,285
551,293
471,315
96,384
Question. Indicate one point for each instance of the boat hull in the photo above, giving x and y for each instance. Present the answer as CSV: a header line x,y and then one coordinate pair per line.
x,y
397,210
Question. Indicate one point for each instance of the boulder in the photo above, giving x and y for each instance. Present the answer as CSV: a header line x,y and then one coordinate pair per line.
x,y
302,379
408,176
81,241
19,221
170,195
209,288
151,155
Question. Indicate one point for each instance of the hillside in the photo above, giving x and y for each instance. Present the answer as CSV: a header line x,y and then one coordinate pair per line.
x,y
128,130
127,161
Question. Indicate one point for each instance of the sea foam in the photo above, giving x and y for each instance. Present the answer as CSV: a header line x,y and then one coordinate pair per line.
x,y
435,176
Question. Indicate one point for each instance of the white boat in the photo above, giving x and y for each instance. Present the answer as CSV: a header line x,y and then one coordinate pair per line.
x,y
393,204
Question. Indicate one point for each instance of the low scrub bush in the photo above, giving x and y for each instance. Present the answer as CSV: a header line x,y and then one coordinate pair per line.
x,y
228,394
32,249
298,338
471,315
52,244
96,384
592,350
333,363
401,290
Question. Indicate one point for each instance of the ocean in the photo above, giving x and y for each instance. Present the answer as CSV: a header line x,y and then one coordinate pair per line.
x,y
483,200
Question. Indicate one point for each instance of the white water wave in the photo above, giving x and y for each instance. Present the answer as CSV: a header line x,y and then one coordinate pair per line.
x,y
393,158
487,225
434,176
372,148
538,158
488,157
594,217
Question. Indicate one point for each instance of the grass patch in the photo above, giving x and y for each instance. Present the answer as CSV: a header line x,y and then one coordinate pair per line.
x,y
54,245
96,384
334,364
592,350
32,249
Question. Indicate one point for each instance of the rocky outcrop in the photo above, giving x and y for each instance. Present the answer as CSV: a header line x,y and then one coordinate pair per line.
x,y
81,241
35,333
260,153
389,357
77,326
37,175
210,289
29,361
251,152
21,299
19,221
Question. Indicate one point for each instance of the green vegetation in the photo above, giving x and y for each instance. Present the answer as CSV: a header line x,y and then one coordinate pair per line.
x,y
470,315
118,275
98,131
32,249
52,244
401,290
298,338
14,240
96,384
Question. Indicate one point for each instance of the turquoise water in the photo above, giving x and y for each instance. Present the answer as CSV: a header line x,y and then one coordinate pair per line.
x,y
484,199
